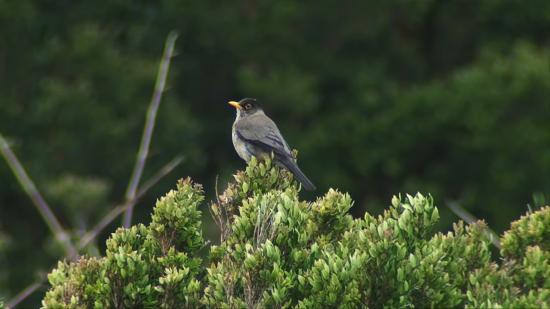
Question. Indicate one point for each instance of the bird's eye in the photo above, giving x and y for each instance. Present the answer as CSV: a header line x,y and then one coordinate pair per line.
x,y
247,106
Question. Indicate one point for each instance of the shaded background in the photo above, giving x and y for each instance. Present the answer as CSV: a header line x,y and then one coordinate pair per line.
x,y
450,98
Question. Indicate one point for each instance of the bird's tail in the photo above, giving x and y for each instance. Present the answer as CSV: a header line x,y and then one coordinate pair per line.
x,y
298,174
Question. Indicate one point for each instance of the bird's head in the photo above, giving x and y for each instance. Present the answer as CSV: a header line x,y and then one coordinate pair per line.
x,y
246,107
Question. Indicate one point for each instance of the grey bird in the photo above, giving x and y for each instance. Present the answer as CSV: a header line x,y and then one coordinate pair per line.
x,y
255,134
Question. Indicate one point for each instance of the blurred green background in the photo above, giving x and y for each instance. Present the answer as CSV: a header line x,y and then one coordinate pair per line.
x,y
450,98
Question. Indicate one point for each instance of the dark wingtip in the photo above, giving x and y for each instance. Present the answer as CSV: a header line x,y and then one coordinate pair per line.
x,y
291,165
306,183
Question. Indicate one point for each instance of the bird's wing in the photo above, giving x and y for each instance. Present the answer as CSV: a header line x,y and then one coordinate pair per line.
x,y
260,129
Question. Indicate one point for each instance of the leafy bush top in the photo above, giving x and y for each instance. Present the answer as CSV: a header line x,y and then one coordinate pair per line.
x,y
279,251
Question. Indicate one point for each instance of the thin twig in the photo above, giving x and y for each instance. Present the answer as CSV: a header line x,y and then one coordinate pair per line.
x,y
222,220
149,126
115,212
469,218
25,293
43,208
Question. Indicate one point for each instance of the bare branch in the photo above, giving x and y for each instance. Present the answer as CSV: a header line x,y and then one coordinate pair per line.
x,y
149,126
469,218
115,212
165,170
43,208
25,293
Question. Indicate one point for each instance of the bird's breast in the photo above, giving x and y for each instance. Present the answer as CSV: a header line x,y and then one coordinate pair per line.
x,y
241,146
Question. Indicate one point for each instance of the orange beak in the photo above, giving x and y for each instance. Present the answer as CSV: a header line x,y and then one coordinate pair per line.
x,y
235,104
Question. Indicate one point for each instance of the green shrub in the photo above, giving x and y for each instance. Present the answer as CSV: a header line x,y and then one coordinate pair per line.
x,y
279,251
145,266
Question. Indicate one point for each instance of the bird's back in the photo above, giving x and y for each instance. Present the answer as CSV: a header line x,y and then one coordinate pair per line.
x,y
259,128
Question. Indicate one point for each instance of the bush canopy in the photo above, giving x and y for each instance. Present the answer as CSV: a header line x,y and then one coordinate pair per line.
x,y
279,251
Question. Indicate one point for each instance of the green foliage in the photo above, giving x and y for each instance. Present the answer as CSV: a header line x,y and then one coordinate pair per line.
x,y
531,230
523,281
280,251
152,266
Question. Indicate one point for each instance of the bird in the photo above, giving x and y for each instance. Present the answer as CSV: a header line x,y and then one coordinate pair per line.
x,y
255,134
